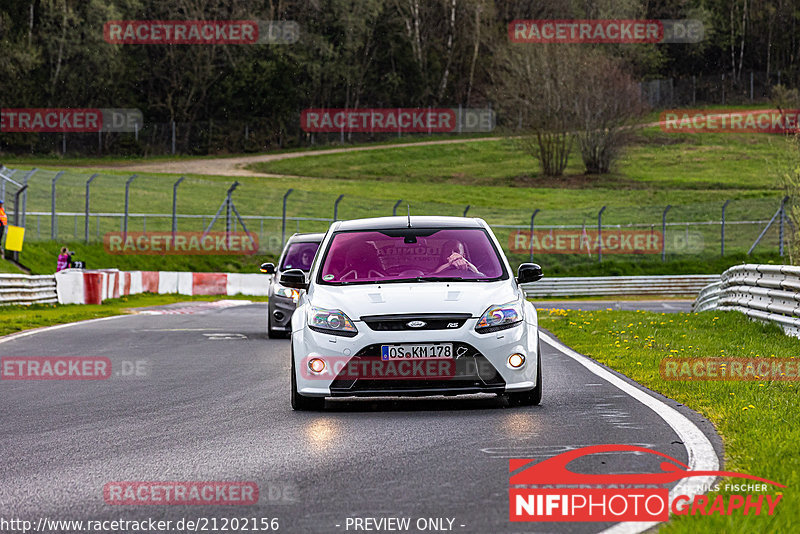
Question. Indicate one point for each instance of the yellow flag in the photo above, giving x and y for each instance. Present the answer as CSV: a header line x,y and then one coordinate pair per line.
x,y
14,237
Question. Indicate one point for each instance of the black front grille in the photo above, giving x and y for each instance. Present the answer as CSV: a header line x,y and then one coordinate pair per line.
x,y
432,321
471,372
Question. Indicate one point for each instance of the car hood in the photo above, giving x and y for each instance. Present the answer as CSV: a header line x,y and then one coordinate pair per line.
x,y
417,297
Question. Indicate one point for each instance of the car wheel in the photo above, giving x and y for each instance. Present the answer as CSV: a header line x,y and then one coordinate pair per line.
x,y
534,396
300,402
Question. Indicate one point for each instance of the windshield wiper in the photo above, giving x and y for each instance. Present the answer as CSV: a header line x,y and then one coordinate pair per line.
x,y
438,278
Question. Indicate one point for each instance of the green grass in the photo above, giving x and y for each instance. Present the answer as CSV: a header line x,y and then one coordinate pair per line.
x,y
8,267
18,318
654,160
759,421
71,159
694,173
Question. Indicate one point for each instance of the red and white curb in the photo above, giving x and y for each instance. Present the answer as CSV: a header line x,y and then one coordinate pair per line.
x,y
93,287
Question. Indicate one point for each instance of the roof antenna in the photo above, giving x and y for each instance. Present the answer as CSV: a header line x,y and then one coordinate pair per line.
x,y
409,214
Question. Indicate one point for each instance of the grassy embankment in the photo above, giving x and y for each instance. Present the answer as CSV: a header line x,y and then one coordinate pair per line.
x,y
759,420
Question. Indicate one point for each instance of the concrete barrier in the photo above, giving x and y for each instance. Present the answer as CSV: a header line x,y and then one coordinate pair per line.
x,y
93,287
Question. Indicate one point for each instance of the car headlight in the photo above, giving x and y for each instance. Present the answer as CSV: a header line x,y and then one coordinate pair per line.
x,y
287,292
333,322
500,317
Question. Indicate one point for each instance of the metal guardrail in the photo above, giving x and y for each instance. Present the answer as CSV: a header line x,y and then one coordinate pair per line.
x,y
763,292
25,289
619,285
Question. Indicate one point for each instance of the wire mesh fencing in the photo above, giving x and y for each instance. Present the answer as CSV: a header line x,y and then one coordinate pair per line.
x,y
72,205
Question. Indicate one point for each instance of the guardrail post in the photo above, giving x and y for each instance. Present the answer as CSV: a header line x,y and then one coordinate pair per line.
x,y
466,210
53,219
86,210
175,205
600,234
283,218
125,217
722,230
394,210
530,246
664,233
336,208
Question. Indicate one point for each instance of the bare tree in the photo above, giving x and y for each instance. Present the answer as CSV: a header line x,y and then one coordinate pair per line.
x,y
604,104
537,85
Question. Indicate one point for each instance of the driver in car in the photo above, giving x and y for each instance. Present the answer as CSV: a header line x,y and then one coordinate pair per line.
x,y
454,257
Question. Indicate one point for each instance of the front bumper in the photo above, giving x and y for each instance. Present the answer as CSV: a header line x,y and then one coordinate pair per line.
x,y
280,310
481,368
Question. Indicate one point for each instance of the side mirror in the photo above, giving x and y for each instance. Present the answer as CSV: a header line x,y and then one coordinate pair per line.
x,y
294,278
268,268
529,272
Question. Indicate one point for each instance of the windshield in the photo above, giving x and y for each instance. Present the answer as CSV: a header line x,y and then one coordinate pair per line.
x,y
299,256
411,254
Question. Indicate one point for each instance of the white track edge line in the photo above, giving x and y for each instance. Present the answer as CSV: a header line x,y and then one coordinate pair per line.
x,y
26,333
701,454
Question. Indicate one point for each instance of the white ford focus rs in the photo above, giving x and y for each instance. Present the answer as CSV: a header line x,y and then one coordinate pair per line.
x,y
413,306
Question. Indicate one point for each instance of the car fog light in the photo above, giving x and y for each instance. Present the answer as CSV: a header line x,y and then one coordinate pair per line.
x,y
516,360
316,365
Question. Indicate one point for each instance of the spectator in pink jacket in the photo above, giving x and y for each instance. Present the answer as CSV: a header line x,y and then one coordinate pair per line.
x,y
64,259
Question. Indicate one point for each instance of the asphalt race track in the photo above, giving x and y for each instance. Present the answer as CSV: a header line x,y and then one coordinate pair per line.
x,y
213,405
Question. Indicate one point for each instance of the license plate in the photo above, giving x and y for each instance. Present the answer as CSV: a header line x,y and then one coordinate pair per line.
x,y
423,351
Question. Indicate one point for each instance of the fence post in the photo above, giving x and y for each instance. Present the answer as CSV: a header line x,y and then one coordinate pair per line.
x,y
283,218
530,246
600,234
394,210
751,86
336,208
769,224
86,210
25,196
228,205
780,225
53,220
173,137
21,190
175,206
466,210
722,236
664,233
125,217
